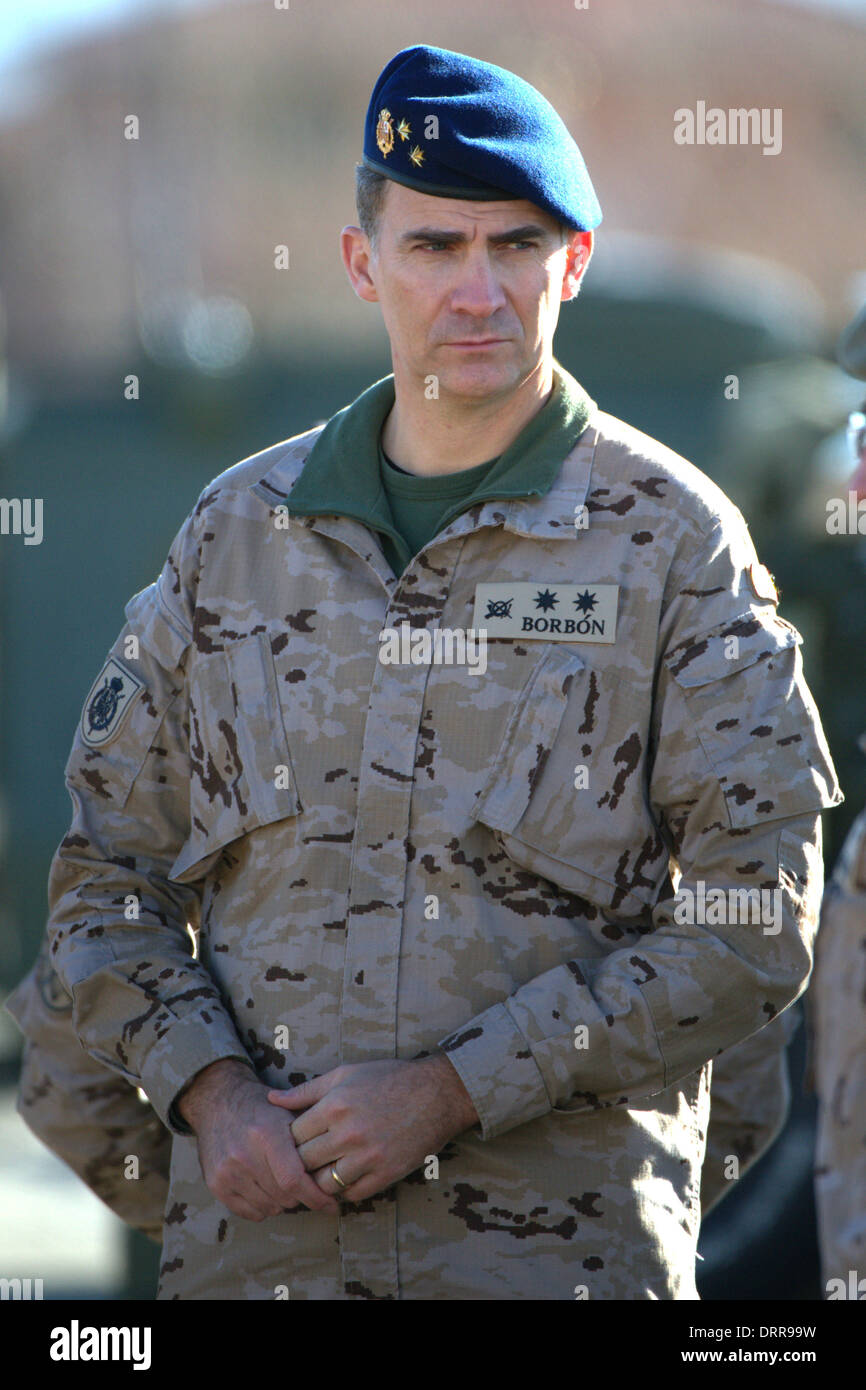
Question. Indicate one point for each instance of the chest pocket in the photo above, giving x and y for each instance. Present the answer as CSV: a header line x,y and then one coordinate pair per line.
x,y
565,796
241,773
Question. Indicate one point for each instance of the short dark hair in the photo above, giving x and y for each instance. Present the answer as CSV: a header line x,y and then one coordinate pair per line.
x,y
370,190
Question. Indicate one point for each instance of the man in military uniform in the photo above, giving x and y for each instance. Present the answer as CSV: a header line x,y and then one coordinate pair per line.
x,y
837,998
470,933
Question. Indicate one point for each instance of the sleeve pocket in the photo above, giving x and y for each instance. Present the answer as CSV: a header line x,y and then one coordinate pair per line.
x,y
127,702
750,707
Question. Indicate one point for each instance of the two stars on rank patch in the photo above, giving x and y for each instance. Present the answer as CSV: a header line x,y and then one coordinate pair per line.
x,y
385,130
544,600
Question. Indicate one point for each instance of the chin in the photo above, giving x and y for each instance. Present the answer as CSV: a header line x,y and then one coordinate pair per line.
x,y
479,378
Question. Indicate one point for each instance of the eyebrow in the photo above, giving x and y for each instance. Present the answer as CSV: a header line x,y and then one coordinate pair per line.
x,y
524,233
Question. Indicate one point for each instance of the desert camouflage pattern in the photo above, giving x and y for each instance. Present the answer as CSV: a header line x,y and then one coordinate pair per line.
x,y
837,1000
382,860
750,1097
87,1115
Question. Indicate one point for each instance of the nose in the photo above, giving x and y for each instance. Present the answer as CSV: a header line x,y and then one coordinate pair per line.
x,y
478,291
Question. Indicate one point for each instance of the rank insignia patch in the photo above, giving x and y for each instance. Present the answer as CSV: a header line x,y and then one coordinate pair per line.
x,y
106,707
555,612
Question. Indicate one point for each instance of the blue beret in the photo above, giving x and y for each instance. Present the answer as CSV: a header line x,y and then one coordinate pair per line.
x,y
494,135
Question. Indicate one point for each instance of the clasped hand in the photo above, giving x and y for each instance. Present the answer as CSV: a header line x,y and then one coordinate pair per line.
x,y
267,1151
374,1122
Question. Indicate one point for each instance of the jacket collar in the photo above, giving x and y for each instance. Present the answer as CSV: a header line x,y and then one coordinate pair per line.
x,y
533,489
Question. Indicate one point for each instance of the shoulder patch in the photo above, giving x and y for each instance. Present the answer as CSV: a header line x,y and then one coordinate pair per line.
x,y
112,694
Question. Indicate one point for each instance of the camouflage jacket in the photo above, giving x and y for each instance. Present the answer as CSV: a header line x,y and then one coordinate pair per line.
x,y
386,858
94,1121
837,1013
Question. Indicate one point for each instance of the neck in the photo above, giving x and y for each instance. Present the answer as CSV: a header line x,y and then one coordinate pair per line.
x,y
431,437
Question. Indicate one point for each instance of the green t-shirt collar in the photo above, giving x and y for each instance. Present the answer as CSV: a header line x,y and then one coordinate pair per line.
x,y
341,473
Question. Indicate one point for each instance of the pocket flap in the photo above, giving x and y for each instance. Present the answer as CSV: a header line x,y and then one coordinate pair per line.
x,y
709,657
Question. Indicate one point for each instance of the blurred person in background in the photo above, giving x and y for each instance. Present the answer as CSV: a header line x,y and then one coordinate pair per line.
x,y
836,1000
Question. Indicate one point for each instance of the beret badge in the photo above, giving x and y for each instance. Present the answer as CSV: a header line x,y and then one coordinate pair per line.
x,y
385,132
385,129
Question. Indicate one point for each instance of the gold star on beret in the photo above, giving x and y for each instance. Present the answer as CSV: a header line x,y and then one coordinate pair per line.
x,y
417,156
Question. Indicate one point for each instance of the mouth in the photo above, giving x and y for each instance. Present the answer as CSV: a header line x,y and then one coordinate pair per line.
x,y
476,343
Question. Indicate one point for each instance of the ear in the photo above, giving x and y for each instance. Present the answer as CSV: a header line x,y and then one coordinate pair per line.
x,y
359,259
577,259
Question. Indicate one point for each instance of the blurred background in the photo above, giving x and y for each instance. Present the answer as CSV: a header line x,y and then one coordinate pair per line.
x,y
721,280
